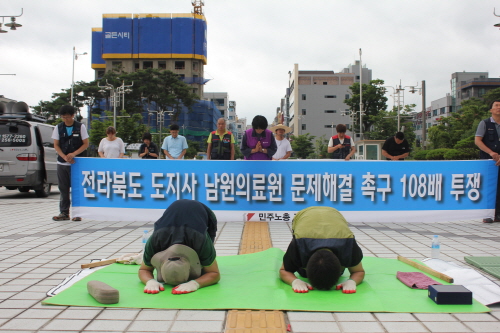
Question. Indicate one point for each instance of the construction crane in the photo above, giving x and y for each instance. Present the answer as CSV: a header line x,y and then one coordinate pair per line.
x,y
198,6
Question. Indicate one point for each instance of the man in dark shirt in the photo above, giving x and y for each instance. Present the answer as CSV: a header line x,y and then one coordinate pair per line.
x,y
148,150
396,148
181,249
321,248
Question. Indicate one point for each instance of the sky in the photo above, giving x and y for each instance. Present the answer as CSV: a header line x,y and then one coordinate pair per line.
x,y
253,44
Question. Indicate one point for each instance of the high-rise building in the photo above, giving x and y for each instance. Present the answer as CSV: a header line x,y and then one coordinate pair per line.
x,y
175,42
314,101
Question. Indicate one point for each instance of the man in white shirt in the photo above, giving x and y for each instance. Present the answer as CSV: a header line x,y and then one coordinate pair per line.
x,y
284,149
70,140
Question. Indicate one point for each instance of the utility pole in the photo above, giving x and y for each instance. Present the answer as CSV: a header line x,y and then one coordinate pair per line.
x,y
360,97
424,116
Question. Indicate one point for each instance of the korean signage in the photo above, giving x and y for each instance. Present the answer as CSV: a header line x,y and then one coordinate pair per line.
x,y
142,189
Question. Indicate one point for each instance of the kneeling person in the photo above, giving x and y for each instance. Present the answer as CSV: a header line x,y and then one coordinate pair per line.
x,y
181,249
321,248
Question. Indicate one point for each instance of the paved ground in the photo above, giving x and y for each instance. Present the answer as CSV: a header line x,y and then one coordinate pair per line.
x,y
37,253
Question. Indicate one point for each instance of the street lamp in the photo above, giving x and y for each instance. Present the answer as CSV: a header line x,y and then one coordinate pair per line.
x,y
115,95
75,57
160,118
424,111
13,25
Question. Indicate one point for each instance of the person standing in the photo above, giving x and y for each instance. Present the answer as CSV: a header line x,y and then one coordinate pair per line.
x,y
111,146
70,140
174,146
220,143
487,139
283,147
341,145
149,149
258,143
396,148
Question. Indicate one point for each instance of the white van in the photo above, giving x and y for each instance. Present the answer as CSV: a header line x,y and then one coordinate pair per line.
x,y
28,160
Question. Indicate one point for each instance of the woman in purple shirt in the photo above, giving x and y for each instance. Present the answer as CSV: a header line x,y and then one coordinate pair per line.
x,y
258,142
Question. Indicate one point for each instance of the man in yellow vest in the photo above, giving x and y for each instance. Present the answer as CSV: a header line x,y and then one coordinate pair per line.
x,y
321,248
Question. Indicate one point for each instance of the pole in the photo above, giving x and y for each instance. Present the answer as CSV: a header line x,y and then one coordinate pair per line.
x,y
114,108
73,76
160,115
424,116
360,97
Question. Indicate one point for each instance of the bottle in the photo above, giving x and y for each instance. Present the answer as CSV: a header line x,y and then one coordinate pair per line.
x,y
145,237
436,247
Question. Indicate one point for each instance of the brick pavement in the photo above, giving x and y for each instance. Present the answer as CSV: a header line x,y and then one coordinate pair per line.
x,y
37,253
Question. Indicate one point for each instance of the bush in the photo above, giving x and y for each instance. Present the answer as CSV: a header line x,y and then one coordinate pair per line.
x,y
455,154
420,155
437,154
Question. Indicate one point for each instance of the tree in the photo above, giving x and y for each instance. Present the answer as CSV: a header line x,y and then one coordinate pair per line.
x,y
302,145
374,101
321,148
460,125
385,125
129,128
150,86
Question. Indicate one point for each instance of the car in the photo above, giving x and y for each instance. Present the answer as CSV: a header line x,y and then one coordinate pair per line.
x,y
28,160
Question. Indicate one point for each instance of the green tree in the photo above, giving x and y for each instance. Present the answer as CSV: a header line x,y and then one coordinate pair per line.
x,y
321,148
490,96
150,86
374,101
129,128
302,145
460,125
193,149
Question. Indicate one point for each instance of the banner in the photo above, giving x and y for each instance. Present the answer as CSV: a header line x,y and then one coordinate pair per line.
x,y
364,191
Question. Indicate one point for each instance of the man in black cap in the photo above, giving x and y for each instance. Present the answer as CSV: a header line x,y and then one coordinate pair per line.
x,y
181,249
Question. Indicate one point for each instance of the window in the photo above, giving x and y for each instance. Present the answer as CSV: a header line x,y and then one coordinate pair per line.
x,y
435,112
304,112
136,66
162,64
195,65
239,126
303,127
100,74
346,96
442,111
219,101
116,64
180,65
325,83
147,64
46,134
195,90
303,97
330,96
181,76
330,111
328,126
357,77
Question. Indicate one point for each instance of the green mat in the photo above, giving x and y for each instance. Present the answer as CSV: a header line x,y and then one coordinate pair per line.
x,y
490,265
251,281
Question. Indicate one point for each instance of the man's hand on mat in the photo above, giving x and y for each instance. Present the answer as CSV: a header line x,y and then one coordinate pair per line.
x,y
185,288
153,287
300,286
348,287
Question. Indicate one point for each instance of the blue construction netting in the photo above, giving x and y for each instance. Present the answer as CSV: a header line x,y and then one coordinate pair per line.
x,y
195,124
